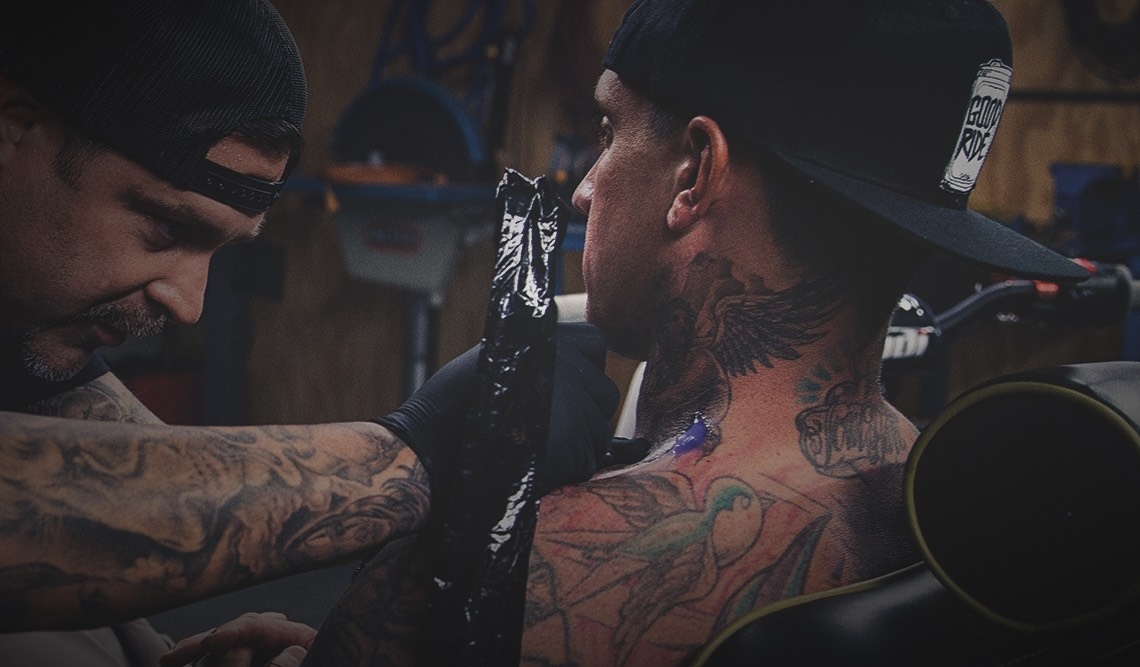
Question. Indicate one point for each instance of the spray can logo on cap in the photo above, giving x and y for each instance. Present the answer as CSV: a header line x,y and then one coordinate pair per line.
x,y
991,89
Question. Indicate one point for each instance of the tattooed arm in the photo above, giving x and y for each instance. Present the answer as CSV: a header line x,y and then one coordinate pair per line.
x,y
104,399
101,522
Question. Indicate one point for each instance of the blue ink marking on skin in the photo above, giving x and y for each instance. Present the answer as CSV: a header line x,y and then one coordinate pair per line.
x,y
692,438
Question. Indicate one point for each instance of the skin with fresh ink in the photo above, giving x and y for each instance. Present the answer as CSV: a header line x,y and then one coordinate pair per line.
x,y
695,436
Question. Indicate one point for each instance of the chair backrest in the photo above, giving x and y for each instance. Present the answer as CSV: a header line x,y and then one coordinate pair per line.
x,y
1024,498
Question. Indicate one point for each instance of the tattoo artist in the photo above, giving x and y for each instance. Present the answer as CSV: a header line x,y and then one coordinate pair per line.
x,y
136,138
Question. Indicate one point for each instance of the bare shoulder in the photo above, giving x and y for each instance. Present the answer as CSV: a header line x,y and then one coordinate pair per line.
x,y
646,566
643,568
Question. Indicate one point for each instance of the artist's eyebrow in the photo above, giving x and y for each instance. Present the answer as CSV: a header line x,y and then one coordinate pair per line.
x,y
203,229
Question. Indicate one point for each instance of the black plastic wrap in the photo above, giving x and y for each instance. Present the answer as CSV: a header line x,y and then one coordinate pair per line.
x,y
481,566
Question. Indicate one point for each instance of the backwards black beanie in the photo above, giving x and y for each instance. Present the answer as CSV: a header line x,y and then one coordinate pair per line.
x,y
161,81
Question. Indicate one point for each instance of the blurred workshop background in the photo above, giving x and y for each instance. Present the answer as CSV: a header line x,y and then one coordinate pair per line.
x,y
375,265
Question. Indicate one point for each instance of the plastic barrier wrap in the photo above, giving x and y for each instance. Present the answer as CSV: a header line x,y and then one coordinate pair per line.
x,y
481,567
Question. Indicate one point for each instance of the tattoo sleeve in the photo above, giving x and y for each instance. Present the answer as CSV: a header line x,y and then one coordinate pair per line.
x,y
104,399
101,522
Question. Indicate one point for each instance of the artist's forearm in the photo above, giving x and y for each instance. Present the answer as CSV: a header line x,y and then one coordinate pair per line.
x,y
104,399
117,520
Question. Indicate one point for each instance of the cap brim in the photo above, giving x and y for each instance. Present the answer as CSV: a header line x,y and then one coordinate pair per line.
x,y
962,233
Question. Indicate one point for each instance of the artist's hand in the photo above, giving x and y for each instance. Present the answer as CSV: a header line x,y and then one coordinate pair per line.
x,y
584,399
581,410
250,640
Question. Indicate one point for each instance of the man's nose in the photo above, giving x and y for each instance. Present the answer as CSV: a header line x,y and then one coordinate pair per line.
x,y
584,193
182,292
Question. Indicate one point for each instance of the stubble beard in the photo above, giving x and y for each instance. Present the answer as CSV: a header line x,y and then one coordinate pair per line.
x,y
132,321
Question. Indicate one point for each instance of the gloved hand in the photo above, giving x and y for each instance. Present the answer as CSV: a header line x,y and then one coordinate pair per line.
x,y
584,399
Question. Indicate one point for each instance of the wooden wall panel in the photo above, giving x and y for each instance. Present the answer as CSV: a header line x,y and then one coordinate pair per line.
x,y
1016,181
329,348
333,348
1033,135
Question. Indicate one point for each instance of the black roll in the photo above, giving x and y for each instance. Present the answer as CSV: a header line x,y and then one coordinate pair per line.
x,y
481,565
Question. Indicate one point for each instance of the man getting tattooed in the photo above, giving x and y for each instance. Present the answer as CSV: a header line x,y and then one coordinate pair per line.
x,y
771,175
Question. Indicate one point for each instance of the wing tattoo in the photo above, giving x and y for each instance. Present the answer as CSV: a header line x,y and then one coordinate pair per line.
x,y
758,328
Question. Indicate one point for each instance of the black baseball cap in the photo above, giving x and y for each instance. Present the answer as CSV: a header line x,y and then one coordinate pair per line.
x,y
891,104
161,81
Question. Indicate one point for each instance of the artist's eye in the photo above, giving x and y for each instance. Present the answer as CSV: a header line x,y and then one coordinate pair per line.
x,y
168,232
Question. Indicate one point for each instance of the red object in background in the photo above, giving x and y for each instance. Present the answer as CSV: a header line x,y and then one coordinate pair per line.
x,y
175,398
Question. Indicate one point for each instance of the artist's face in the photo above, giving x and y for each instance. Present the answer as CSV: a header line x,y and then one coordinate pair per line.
x,y
626,196
115,252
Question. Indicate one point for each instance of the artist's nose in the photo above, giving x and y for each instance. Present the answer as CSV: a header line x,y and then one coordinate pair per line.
x,y
182,291
584,193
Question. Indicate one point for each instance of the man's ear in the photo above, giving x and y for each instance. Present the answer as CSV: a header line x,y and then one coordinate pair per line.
x,y
702,174
19,112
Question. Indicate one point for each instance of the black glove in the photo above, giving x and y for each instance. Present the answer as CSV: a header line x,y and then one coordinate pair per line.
x,y
584,399
581,409
582,351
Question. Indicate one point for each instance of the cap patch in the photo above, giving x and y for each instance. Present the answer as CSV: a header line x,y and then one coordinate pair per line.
x,y
991,89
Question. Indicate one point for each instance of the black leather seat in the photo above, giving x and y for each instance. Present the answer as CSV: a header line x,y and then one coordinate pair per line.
x,y
909,618
1024,498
